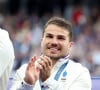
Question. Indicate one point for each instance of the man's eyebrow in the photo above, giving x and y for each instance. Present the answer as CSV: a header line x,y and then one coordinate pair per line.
x,y
59,35
48,34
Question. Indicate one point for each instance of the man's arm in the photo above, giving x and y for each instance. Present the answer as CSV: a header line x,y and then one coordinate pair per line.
x,y
26,77
18,80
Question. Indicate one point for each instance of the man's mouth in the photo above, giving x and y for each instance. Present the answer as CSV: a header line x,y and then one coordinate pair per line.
x,y
53,50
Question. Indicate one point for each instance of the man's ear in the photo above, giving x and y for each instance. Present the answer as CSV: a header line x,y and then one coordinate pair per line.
x,y
71,44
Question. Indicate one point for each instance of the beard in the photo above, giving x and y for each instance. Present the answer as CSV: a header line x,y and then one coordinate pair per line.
x,y
54,57
57,58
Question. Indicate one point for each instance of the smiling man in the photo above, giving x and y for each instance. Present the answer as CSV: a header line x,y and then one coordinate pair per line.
x,y
53,70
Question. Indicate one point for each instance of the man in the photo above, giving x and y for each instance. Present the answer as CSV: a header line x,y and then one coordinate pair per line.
x,y
53,70
6,58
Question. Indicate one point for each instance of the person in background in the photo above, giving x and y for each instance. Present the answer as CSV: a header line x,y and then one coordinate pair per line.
x,y
6,58
53,70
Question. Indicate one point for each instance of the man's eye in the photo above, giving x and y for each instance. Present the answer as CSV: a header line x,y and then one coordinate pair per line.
x,y
48,36
61,38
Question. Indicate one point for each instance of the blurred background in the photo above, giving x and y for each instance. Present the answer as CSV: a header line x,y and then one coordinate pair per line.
x,y
24,20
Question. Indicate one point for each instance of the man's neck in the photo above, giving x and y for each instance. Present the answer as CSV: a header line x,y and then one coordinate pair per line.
x,y
54,62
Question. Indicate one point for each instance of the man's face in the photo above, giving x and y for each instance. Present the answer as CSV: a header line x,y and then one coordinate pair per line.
x,y
55,42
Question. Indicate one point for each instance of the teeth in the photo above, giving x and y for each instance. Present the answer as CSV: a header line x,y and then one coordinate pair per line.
x,y
53,48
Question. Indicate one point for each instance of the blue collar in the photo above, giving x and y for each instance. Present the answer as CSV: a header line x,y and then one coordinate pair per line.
x,y
60,70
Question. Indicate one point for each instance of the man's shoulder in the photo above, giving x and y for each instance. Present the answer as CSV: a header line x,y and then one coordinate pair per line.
x,y
77,73
77,65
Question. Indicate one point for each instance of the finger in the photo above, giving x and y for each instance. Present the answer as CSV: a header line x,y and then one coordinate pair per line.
x,y
42,64
31,62
44,61
49,61
37,65
33,59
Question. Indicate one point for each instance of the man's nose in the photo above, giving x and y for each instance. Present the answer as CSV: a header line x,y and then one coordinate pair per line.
x,y
54,41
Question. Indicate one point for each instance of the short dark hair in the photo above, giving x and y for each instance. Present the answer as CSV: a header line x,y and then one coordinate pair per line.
x,y
61,22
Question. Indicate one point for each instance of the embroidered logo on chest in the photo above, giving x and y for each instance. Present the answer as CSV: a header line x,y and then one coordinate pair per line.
x,y
64,75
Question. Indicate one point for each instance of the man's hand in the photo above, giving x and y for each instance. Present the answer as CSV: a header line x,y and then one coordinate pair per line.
x,y
32,72
46,65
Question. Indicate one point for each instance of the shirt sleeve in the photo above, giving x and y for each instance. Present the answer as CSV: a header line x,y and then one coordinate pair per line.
x,y
25,86
18,83
50,84
22,86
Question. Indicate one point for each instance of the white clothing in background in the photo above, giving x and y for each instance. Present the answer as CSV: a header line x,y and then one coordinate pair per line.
x,y
6,58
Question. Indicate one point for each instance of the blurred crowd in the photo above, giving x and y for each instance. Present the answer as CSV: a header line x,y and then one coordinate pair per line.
x,y
26,32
